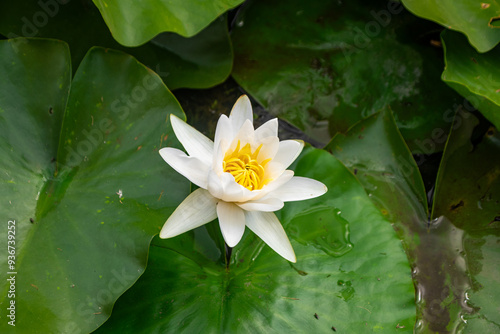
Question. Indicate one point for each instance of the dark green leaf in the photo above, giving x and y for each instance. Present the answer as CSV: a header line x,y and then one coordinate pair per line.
x,y
474,75
376,153
198,62
323,66
468,193
474,18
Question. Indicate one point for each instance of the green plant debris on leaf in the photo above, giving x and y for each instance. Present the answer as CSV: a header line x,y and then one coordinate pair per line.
x,y
82,179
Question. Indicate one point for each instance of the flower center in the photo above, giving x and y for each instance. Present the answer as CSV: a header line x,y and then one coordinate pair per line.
x,y
243,165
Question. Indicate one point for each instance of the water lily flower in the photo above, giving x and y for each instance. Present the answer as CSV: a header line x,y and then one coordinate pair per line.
x,y
242,178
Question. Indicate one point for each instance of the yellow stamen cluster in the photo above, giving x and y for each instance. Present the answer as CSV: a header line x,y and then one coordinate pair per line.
x,y
243,165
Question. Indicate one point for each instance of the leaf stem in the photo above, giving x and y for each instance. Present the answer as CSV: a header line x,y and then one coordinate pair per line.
x,y
229,250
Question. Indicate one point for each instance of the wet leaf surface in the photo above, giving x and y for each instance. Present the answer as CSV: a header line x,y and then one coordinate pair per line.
x,y
468,193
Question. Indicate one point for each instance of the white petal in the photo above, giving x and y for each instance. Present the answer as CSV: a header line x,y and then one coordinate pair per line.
x,y
225,188
281,180
268,129
242,111
299,188
269,229
191,168
278,182
231,222
270,146
219,157
273,170
194,142
288,151
214,185
245,135
197,209
232,191
267,205
223,132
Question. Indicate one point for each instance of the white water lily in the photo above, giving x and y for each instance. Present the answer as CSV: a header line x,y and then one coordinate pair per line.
x,y
242,176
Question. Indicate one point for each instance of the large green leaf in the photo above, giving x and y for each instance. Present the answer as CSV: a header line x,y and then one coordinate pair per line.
x,y
82,179
351,273
133,23
479,20
198,62
324,65
475,76
440,254
468,193
375,152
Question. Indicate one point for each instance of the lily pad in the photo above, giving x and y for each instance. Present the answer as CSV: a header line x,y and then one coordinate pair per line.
x,y
323,66
468,193
202,61
376,153
441,254
474,75
79,172
133,23
478,20
351,273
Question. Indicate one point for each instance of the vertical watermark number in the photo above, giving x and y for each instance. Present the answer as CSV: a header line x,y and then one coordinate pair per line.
x,y
11,272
